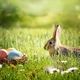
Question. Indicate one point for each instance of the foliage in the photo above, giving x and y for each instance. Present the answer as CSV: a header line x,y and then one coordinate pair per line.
x,y
9,14
39,13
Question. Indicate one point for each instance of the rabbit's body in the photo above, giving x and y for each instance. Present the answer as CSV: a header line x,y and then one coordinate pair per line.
x,y
63,50
67,50
54,45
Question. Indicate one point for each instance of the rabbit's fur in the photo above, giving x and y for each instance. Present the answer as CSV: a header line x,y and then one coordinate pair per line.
x,y
54,45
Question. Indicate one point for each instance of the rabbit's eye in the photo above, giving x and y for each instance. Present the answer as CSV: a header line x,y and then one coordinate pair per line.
x,y
50,42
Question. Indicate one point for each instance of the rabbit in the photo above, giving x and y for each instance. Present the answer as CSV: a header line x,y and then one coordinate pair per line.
x,y
54,45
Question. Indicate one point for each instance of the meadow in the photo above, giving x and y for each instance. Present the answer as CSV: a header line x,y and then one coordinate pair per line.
x,y
31,41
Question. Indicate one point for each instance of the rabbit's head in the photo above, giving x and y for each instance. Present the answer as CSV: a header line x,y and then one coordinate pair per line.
x,y
53,44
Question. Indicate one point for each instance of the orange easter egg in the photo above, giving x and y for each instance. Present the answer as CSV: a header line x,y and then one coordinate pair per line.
x,y
3,53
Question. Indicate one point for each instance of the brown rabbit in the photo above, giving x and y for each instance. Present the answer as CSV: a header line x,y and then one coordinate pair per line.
x,y
54,45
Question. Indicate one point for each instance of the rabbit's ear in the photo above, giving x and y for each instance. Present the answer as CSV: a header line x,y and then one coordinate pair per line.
x,y
56,35
54,32
58,32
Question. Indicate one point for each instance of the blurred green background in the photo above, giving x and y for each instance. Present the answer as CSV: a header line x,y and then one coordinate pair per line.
x,y
39,13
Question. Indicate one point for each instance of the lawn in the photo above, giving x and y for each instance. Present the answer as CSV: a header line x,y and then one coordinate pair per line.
x,y
31,42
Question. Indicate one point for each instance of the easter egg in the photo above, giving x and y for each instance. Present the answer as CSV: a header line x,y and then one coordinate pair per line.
x,y
0,65
10,49
14,54
3,53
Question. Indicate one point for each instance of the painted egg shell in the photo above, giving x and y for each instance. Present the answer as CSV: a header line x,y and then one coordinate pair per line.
x,y
14,54
3,53
1,65
10,49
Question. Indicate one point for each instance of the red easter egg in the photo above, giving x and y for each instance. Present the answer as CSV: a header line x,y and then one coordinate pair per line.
x,y
3,53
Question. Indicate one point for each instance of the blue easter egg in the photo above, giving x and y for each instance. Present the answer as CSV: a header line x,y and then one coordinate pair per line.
x,y
14,53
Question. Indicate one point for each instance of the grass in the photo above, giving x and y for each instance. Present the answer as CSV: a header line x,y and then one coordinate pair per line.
x,y
31,42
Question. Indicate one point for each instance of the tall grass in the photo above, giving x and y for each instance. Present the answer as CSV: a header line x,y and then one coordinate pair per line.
x,y
31,42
